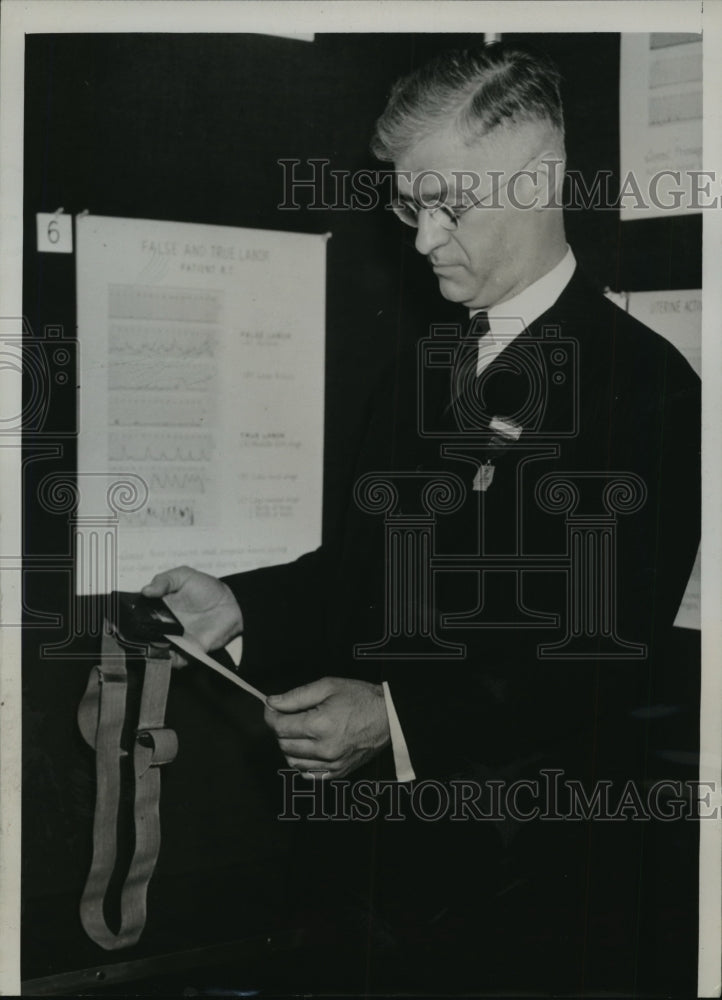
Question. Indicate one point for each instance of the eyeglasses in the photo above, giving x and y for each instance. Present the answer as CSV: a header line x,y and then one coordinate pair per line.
x,y
444,215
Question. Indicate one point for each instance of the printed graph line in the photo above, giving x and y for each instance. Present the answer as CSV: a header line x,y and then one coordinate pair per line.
x,y
153,345
138,376
122,453
163,515
190,305
173,410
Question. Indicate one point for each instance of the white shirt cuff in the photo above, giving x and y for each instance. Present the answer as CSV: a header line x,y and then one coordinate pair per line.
x,y
402,761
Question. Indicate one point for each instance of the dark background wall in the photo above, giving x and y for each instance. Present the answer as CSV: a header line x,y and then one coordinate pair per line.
x,y
190,128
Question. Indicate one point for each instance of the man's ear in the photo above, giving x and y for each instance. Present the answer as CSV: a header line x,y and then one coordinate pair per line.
x,y
549,167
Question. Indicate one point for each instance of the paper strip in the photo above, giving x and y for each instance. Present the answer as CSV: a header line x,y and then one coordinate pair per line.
x,y
191,647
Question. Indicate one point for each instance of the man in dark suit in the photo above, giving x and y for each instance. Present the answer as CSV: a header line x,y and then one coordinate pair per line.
x,y
523,516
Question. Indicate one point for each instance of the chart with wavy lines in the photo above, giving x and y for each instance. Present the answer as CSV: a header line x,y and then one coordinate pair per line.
x,y
148,339
201,386
660,124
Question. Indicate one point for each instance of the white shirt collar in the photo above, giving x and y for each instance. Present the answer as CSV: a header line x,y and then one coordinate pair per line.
x,y
508,319
536,298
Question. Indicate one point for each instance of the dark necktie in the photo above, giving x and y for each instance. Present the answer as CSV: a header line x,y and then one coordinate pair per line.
x,y
465,410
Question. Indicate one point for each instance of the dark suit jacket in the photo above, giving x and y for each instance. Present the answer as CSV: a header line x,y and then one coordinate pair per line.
x,y
624,401
600,398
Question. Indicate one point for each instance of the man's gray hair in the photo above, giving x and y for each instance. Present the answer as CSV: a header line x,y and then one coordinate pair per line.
x,y
474,89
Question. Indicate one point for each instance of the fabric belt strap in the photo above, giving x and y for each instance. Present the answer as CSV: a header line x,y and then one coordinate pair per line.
x,y
100,718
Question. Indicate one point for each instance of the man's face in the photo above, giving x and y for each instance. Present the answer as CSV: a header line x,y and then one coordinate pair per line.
x,y
488,257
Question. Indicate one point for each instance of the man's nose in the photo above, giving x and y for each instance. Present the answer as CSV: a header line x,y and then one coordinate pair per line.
x,y
430,233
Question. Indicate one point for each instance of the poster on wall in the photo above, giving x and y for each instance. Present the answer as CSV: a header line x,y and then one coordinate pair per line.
x,y
660,100
201,378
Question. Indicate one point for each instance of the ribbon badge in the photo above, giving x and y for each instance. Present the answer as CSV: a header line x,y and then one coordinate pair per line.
x,y
505,432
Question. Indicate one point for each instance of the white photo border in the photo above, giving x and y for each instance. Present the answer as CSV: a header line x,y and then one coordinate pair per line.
x,y
19,18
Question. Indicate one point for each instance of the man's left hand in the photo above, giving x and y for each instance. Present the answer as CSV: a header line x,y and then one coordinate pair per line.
x,y
332,725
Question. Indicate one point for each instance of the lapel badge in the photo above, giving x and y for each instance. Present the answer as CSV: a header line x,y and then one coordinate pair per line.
x,y
484,477
505,432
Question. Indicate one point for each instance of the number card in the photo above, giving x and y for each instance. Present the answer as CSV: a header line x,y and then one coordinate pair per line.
x,y
55,233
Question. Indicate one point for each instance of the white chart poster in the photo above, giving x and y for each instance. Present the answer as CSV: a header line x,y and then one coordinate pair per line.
x,y
661,124
201,398
677,315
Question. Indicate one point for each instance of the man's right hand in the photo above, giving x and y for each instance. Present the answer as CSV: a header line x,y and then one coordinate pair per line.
x,y
205,607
